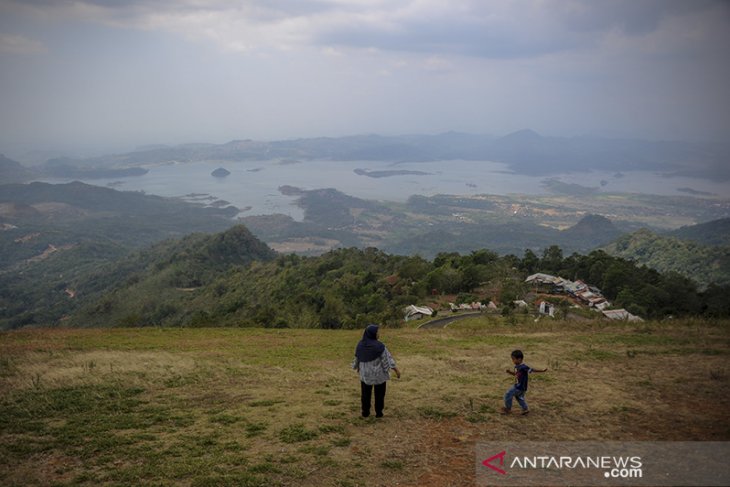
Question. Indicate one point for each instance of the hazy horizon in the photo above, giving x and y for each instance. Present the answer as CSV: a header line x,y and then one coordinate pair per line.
x,y
85,150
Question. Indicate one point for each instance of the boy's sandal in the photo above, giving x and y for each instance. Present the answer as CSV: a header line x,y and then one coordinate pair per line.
x,y
525,412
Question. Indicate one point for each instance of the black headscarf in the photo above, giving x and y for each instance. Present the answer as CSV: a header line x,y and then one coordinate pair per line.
x,y
369,348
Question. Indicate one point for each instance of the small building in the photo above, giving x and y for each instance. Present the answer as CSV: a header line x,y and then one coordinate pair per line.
x,y
546,308
413,312
620,314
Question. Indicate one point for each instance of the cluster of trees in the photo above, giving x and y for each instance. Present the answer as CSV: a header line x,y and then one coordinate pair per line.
x,y
705,264
348,288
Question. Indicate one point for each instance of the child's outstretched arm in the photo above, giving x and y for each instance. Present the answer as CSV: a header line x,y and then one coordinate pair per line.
x,y
510,372
539,370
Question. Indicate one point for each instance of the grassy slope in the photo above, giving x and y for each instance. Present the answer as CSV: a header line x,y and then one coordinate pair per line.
x,y
280,407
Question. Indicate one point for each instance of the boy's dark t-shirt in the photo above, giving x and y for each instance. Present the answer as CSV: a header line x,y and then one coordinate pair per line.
x,y
522,372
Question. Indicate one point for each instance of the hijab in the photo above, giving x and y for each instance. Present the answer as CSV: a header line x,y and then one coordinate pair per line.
x,y
369,348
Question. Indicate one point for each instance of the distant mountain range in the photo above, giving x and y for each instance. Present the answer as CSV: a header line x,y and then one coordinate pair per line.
x,y
525,152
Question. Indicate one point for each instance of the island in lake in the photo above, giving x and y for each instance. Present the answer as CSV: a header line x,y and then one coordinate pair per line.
x,y
385,174
220,172
695,192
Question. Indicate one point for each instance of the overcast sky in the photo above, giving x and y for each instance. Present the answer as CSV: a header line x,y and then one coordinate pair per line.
x,y
111,75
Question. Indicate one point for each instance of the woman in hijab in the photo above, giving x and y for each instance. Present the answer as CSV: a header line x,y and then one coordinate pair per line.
x,y
373,361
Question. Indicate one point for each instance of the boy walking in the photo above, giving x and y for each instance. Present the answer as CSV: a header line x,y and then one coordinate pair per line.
x,y
519,388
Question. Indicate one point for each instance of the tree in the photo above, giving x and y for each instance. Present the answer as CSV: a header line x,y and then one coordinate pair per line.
x,y
471,276
445,280
512,290
414,268
552,259
443,258
530,262
333,313
616,278
484,257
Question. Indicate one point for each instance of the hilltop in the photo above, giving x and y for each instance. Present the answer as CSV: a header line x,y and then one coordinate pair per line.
x,y
261,408
149,287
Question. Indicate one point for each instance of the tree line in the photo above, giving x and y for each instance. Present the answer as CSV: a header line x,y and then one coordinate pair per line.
x,y
348,288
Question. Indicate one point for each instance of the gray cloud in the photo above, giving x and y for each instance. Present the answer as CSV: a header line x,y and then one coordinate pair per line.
x,y
16,44
151,71
514,30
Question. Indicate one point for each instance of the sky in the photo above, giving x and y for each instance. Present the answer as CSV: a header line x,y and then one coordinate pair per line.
x,y
112,75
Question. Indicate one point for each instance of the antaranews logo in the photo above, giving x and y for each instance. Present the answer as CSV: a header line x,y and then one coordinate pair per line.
x,y
603,463
617,467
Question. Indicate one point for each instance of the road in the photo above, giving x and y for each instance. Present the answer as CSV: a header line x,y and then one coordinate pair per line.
x,y
442,322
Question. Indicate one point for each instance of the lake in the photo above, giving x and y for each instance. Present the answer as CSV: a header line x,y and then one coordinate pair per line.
x,y
253,185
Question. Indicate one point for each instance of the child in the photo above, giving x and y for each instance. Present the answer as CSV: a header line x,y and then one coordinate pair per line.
x,y
519,389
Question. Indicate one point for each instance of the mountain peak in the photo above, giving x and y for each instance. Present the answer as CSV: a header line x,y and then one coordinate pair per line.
x,y
595,225
524,134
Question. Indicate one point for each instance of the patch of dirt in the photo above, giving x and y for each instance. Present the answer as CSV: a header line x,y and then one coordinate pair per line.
x,y
447,454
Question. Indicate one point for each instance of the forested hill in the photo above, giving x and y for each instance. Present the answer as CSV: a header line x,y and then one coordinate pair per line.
x,y
37,217
716,232
146,281
54,236
183,284
702,263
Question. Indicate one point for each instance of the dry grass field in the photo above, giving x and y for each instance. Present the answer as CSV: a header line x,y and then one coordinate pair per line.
x,y
260,407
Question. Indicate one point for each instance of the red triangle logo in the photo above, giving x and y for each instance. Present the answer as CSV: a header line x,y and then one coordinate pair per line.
x,y
488,462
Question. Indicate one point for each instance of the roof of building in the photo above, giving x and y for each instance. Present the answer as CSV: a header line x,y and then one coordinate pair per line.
x,y
412,310
620,314
540,277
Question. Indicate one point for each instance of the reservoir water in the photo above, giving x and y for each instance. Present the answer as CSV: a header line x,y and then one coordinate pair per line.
x,y
253,186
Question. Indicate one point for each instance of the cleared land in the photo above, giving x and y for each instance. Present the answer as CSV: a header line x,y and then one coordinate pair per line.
x,y
258,407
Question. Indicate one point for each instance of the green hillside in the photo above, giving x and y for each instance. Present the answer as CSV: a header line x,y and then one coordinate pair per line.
x,y
704,264
716,232
178,284
34,216
86,261
147,281
53,237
